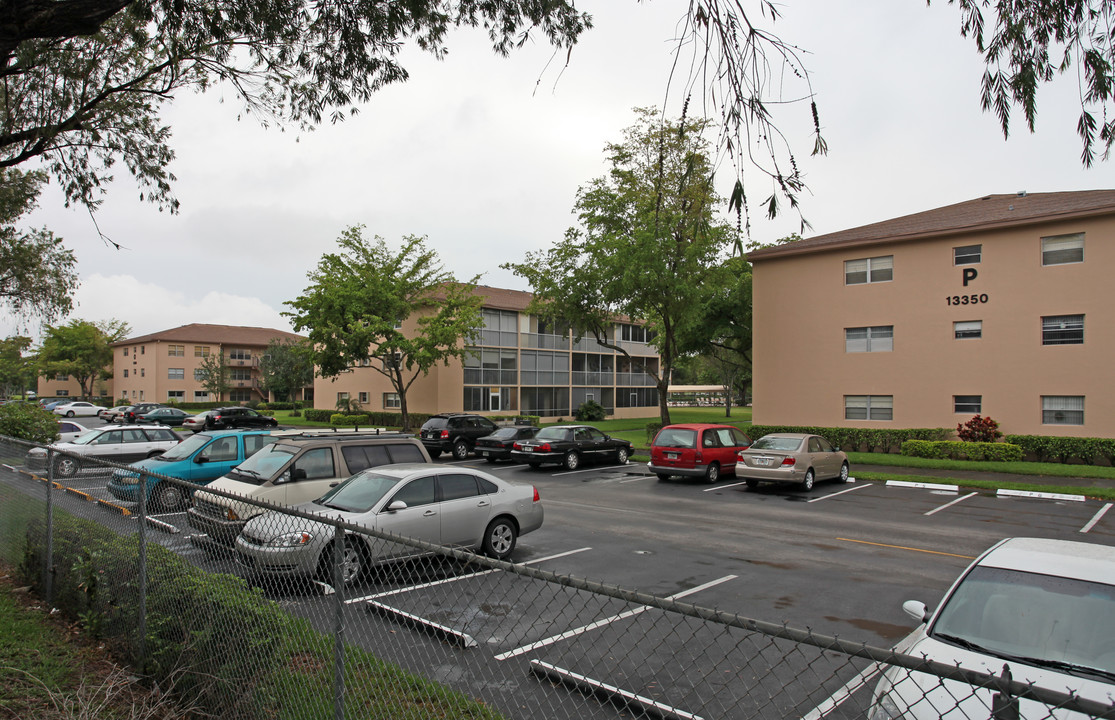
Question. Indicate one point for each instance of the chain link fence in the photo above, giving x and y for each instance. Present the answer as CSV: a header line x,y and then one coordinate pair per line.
x,y
432,632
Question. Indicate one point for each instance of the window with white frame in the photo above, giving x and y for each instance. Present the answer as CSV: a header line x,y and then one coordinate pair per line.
x,y
175,394
967,404
1062,249
967,255
868,407
63,393
201,395
201,351
176,373
391,400
1062,330
869,339
967,329
240,395
869,270
363,398
1062,409
176,350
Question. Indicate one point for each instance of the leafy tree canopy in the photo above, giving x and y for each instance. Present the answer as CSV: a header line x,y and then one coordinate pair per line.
x,y
212,373
286,367
81,349
359,301
17,372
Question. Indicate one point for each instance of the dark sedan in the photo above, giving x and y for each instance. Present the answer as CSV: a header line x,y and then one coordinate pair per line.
x,y
570,445
238,417
162,416
498,445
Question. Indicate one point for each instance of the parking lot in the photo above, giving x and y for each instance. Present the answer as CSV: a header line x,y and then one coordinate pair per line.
x,y
839,560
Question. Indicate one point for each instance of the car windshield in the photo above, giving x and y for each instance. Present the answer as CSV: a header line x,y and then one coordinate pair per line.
x,y
86,437
359,493
185,449
553,433
1039,618
676,438
435,424
264,465
777,442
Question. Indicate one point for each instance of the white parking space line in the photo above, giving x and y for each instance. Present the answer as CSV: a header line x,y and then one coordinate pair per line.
x,y
595,468
409,588
721,487
832,495
950,504
606,621
843,693
1096,518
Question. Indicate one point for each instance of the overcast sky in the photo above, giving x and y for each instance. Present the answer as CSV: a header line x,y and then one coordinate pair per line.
x,y
484,156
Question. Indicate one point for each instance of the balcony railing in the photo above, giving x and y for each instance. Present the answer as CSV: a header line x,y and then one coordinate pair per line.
x,y
634,380
544,342
484,376
593,378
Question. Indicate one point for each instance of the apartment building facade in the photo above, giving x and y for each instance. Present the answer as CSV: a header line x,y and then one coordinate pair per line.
x,y
1000,306
63,386
165,366
521,366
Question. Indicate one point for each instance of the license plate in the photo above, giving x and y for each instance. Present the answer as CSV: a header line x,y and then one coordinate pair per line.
x,y
672,456
483,453
762,461
528,448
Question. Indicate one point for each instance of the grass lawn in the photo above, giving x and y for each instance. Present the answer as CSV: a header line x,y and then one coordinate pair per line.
x,y
1052,470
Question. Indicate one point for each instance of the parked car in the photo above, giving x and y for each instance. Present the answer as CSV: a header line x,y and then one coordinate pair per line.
x,y
133,411
68,430
50,405
455,433
110,414
791,458
116,444
459,507
298,467
163,416
199,459
196,422
79,408
697,450
570,445
230,417
1041,608
497,446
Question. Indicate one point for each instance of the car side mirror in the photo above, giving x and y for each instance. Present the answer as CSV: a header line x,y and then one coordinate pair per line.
x,y
297,474
397,505
915,609
201,459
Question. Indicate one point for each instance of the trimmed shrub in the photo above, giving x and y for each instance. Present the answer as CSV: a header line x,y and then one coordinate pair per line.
x,y
317,415
28,421
857,439
342,420
979,429
590,411
962,450
1047,448
652,430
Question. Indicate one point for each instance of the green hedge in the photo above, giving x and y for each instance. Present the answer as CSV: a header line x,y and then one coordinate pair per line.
x,y
857,439
1046,448
957,450
343,420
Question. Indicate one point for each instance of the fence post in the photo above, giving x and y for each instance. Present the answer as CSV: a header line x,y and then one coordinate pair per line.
x,y
48,555
339,623
142,630
1004,706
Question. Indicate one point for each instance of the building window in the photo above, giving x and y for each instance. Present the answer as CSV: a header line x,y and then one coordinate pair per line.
x,y
176,373
967,329
61,378
240,396
239,354
142,349
1062,330
176,395
125,352
200,395
869,270
143,372
967,404
125,372
868,407
635,333
201,351
199,374
1062,249
967,255
342,397
363,398
869,339
63,393
1062,409
501,328
391,400
240,374
176,350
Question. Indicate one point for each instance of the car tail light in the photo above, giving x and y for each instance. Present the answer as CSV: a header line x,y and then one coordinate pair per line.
x,y
537,497
544,447
788,462
444,434
517,446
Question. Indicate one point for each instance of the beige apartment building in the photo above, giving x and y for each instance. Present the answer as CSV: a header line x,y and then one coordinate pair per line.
x,y
62,386
164,366
1002,306
521,366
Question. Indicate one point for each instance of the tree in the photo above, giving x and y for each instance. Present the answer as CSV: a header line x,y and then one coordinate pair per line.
x,y
37,275
359,299
286,367
84,80
81,349
17,373
212,373
28,421
649,247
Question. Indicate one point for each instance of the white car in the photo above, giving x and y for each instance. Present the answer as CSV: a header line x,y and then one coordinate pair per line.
x,y
68,430
79,409
113,443
1045,609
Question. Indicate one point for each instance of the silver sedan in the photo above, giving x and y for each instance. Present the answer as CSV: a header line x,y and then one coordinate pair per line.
x,y
453,506
791,458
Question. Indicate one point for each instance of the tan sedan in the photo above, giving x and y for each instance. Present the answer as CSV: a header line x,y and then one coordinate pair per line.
x,y
791,458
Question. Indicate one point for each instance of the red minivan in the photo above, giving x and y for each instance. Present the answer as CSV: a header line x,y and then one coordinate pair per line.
x,y
697,450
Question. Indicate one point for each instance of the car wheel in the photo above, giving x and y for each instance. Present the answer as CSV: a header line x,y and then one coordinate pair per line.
x,y
752,483
499,538
460,450
712,472
621,456
168,497
273,423
807,482
155,453
70,413
490,459
534,466
572,460
844,473
65,467
353,564
434,454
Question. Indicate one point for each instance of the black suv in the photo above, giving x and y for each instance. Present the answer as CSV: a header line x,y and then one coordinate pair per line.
x,y
133,411
238,417
455,433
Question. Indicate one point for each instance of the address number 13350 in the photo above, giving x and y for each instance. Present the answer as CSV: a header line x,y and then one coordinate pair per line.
x,y
966,299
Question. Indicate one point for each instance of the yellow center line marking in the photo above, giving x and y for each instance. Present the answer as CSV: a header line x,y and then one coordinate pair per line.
x,y
902,547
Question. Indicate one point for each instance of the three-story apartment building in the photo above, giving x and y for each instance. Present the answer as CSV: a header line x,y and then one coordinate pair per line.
x,y
1001,306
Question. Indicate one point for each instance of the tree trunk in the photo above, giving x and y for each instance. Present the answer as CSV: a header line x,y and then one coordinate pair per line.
x,y
663,397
